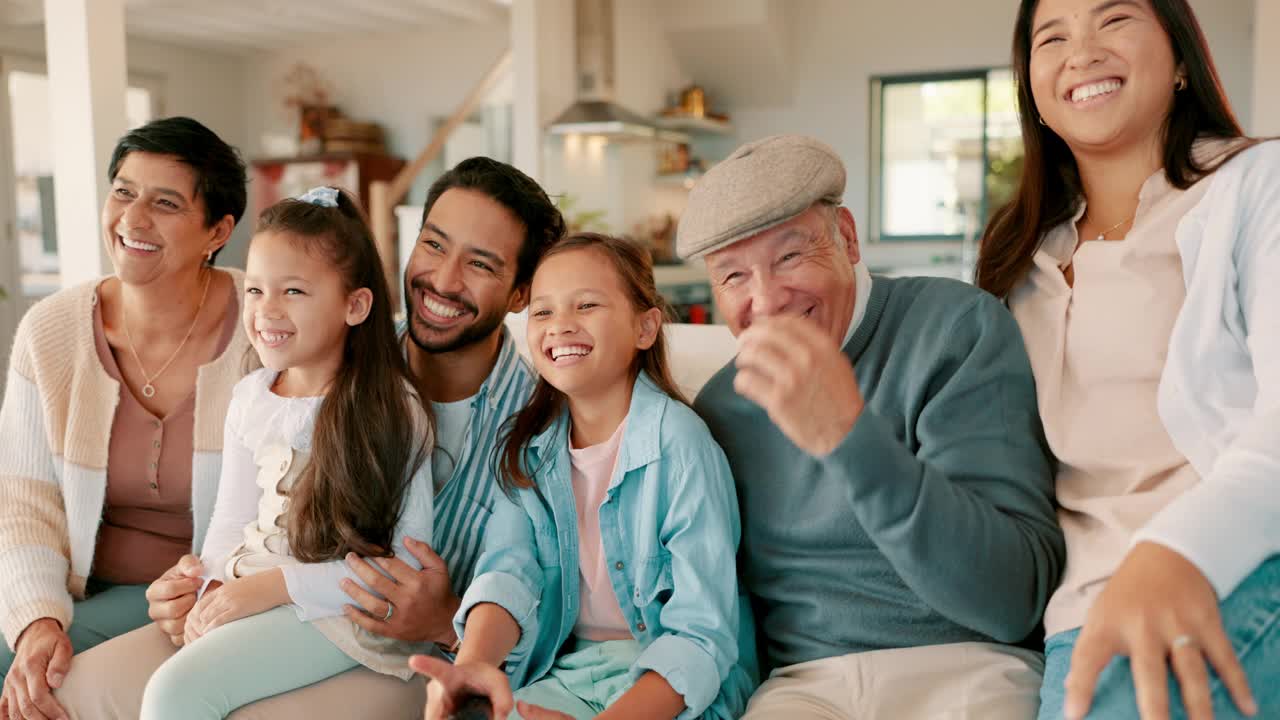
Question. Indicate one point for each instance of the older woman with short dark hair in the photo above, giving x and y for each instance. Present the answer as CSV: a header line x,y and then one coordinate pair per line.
x,y
113,413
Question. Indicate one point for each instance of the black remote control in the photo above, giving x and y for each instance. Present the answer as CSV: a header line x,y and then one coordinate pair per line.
x,y
476,707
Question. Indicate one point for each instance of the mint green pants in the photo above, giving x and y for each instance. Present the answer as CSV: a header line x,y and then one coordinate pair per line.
x,y
109,611
239,663
586,680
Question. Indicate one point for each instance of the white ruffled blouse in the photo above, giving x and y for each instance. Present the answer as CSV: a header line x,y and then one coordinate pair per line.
x,y
267,444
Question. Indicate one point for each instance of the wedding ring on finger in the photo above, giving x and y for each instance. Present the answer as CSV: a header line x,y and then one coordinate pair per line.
x,y
390,609
1182,641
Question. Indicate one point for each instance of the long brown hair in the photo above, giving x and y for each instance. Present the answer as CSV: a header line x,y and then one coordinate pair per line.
x,y
365,447
1049,190
635,269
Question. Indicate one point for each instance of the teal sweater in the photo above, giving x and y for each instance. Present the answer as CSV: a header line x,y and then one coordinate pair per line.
x,y
933,521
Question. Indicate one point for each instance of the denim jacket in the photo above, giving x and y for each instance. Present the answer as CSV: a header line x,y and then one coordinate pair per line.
x,y
670,530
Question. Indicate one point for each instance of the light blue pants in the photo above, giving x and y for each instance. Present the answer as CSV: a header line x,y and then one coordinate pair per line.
x,y
1251,617
239,663
109,611
585,681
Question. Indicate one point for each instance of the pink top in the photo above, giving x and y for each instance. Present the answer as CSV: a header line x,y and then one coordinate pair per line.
x,y
1098,350
600,616
146,520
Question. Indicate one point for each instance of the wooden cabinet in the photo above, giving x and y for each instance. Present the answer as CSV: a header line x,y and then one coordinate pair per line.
x,y
277,178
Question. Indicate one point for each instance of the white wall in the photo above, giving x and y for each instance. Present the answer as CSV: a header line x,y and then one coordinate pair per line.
x,y
1229,26
542,67
203,84
645,67
838,45
1266,99
403,81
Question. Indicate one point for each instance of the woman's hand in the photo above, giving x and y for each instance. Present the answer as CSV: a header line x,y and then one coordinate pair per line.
x,y
171,597
42,662
1157,608
236,599
451,684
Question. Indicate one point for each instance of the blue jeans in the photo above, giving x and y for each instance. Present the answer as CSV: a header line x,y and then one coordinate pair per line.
x,y
108,611
1251,617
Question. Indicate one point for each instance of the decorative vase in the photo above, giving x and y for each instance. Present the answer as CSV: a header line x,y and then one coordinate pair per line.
x,y
311,127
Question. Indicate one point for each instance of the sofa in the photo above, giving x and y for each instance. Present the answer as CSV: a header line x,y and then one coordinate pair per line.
x,y
696,351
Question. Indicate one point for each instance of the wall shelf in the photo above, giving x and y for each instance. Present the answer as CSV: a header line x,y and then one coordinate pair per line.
x,y
693,124
685,180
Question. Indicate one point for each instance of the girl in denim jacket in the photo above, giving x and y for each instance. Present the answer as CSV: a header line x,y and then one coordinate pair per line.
x,y
608,583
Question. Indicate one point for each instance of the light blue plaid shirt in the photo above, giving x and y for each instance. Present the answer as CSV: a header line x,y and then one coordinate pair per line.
x,y
465,502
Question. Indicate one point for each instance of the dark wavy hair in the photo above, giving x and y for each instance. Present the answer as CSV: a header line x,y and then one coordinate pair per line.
x,y
635,269
365,448
220,173
1049,190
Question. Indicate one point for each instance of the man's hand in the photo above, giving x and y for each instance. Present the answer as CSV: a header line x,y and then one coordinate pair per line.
x,y
172,596
1160,611
798,374
422,601
451,684
42,662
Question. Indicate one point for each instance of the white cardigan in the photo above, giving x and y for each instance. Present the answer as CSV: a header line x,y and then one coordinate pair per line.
x,y
1219,395
55,433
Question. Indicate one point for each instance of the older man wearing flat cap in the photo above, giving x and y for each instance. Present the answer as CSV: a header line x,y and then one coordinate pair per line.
x,y
899,535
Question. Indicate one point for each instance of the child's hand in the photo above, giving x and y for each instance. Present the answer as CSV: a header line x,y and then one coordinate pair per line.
x,y
239,598
451,684
529,711
193,628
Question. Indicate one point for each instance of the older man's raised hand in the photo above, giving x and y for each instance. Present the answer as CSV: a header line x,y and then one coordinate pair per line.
x,y
798,374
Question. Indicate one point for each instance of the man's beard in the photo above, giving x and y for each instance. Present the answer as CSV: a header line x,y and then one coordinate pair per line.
x,y
480,329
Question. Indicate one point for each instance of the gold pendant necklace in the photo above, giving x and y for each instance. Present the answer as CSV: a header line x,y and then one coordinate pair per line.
x,y
149,390
1103,235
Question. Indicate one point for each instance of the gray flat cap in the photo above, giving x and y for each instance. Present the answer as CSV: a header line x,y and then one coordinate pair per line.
x,y
762,184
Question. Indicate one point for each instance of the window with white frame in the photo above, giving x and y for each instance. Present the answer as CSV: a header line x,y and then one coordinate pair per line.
x,y
37,237
946,153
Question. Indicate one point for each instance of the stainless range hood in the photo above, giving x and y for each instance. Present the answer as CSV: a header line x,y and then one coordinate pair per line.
x,y
595,112
601,117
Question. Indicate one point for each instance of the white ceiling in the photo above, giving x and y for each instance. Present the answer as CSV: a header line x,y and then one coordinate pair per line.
x,y
246,26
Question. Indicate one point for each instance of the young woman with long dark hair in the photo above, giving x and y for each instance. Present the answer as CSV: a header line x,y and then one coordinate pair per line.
x,y
1139,257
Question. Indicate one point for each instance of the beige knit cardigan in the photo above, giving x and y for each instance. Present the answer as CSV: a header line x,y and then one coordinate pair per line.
x,y
55,431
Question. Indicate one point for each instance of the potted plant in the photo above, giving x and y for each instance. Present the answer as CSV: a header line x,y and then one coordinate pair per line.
x,y
307,94
580,220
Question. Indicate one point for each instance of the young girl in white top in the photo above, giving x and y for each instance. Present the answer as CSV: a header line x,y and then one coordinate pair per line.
x,y
323,457
1140,257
